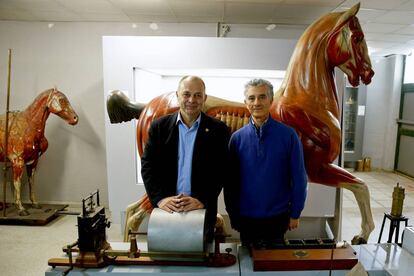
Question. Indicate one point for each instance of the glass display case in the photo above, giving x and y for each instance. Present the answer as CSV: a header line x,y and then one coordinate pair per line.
x,y
353,123
350,118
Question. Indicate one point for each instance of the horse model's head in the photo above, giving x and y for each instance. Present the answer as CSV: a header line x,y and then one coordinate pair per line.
x,y
58,104
348,50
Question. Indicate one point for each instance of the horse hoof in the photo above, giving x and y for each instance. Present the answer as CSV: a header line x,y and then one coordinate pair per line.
x,y
23,213
36,206
358,240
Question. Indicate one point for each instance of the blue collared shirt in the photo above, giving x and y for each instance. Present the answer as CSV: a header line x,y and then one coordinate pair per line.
x,y
185,154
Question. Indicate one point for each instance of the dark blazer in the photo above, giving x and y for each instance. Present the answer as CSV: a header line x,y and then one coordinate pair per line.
x,y
210,158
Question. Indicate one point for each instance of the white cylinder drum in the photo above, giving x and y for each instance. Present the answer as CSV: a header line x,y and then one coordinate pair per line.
x,y
176,232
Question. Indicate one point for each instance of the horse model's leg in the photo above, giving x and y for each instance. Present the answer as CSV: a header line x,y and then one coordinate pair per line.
x,y
135,214
18,165
134,222
330,173
362,197
31,169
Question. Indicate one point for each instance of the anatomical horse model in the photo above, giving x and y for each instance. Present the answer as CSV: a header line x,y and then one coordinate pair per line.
x,y
307,101
27,141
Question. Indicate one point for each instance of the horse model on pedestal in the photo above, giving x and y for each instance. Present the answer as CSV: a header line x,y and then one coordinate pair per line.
x,y
306,101
26,142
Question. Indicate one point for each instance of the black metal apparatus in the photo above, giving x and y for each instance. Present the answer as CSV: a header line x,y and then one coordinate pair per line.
x,y
91,243
92,224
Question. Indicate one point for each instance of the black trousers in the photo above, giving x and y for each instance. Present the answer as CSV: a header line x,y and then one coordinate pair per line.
x,y
263,230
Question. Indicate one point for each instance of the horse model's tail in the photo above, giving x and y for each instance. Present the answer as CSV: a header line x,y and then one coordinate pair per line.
x,y
121,108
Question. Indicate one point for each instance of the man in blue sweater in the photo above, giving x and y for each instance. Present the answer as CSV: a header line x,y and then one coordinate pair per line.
x,y
269,195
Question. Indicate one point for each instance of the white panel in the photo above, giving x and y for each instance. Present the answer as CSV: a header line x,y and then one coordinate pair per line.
x,y
409,30
94,6
45,5
122,54
154,7
375,4
247,12
396,17
407,6
288,11
394,38
372,27
198,8
61,15
94,16
321,3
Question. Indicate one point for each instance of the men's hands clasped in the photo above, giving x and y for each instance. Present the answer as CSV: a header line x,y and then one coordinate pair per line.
x,y
180,203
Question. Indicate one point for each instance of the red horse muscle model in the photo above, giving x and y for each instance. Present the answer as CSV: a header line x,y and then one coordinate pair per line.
x,y
26,138
307,101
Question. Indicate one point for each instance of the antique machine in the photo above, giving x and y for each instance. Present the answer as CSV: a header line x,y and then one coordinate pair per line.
x,y
92,223
167,245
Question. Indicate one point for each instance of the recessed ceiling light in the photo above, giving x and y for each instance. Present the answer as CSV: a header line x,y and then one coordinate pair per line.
x,y
270,27
134,26
50,25
153,26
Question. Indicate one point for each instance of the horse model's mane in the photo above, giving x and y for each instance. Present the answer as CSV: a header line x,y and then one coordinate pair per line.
x,y
308,71
40,100
307,68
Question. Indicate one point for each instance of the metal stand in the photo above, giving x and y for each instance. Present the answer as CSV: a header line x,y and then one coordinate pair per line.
x,y
394,224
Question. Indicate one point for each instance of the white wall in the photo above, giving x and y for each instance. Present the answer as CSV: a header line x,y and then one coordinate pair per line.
x,y
382,110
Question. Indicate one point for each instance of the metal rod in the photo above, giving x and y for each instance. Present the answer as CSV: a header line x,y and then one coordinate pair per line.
x,y
190,255
97,197
6,136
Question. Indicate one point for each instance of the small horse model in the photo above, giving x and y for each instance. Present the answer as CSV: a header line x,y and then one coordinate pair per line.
x,y
306,101
27,142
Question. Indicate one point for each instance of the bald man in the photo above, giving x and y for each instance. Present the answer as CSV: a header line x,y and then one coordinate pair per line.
x,y
185,158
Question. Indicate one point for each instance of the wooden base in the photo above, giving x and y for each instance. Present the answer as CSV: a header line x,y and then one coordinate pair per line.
x,y
214,260
41,216
90,259
86,260
303,259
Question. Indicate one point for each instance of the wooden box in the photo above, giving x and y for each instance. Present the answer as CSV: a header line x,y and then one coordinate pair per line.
x,y
303,259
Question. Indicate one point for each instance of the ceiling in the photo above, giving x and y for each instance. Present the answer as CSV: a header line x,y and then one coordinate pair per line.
x,y
388,24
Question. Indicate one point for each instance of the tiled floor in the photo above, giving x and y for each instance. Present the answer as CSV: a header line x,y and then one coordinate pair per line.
x,y
381,185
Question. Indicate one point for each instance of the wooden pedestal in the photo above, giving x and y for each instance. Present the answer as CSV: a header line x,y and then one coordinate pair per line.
x,y
41,216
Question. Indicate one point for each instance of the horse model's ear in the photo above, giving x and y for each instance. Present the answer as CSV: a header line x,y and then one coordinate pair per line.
x,y
54,88
346,16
